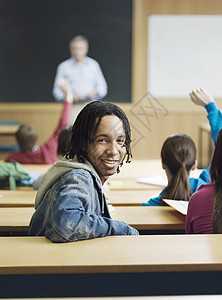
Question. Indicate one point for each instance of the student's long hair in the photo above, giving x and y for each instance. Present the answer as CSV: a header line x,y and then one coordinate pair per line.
x,y
178,154
86,124
216,177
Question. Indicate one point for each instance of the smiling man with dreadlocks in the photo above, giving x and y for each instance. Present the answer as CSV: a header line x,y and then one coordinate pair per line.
x,y
70,204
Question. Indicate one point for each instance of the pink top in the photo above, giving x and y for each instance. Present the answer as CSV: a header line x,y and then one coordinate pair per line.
x,y
198,219
47,153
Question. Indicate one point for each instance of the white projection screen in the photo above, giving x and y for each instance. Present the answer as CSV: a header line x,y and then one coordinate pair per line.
x,y
184,52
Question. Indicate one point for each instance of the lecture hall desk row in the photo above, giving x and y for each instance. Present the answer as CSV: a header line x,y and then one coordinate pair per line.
x,y
111,266
26,198
145,219
126,180
36,168
137,168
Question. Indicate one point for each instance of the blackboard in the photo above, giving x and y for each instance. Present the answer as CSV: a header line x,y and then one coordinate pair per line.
x,y
34,37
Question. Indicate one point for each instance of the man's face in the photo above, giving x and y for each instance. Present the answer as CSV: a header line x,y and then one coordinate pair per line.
x,y
107,150
78,50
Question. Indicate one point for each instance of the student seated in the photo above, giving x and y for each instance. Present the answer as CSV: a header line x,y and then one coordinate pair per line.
x,y
204,213
70,203
178,156
26,136
64,141
63,145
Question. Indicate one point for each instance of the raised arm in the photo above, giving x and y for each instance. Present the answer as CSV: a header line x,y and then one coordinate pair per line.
x,y
65,86
203,98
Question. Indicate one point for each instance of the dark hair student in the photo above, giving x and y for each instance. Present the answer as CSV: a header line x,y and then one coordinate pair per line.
x,y
178,155
204,213
70,203
86,124
216,177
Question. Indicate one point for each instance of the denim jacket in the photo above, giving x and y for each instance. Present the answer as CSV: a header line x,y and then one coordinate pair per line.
x,y
70,205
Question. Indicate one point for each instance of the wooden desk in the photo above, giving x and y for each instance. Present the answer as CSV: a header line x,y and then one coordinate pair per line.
x,y
129,198
6,130
150,218
39,169
126,184
16,219
20,198
139,168
17,198
38,255
123,265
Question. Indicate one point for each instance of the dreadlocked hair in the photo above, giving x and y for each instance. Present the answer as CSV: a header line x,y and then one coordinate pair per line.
x,y
86,124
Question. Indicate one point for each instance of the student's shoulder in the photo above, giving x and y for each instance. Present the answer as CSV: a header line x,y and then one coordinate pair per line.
x,y
78,174
204,191
206,188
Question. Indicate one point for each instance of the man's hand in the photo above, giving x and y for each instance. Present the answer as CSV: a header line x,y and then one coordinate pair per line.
x,y
201,97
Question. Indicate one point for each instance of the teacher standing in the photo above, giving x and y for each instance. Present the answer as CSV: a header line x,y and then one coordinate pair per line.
x,y
84,74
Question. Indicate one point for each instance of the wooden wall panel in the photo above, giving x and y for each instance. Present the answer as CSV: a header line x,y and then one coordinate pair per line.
x,y
183,115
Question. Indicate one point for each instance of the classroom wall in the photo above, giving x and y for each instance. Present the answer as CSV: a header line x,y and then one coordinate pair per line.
x,y
183,115
164,116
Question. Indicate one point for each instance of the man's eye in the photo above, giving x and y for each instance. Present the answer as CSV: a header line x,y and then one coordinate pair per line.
x,y
102,140
121,142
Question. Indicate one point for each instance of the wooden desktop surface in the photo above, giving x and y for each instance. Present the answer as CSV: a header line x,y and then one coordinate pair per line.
x,y
17,198
114,254
130,198
139,168
8,129
36,168
150,218
116,198
140,217
130,184
129,172
39,169
14,219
